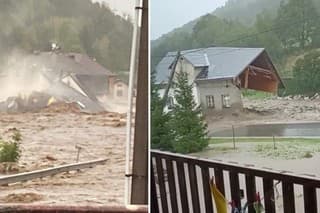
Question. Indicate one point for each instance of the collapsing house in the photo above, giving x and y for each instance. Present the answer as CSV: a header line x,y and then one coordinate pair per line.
x,y
68,78
218,75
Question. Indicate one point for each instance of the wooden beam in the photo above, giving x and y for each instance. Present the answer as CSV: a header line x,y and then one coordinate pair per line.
x,y
265,71
48,172
260,69
246,76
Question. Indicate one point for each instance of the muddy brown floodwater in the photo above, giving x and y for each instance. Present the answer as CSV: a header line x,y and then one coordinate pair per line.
x,y
50,139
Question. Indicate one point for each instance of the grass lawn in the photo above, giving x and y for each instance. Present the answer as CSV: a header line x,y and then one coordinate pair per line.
x,y
252,94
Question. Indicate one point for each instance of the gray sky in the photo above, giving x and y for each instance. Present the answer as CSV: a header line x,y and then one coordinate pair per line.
x,y
169,14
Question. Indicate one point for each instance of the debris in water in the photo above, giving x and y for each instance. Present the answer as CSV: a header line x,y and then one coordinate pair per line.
x,y
22,197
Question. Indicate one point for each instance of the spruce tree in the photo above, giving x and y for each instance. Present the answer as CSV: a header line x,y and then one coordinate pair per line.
x,y
160,136
188,130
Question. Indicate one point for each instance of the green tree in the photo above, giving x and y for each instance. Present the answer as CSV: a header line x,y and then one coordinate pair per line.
x,y
77,26
211,30
297,21
188,130
306,73
269,40
160,131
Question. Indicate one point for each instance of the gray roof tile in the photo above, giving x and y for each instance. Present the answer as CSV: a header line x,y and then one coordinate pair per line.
x,y
224,62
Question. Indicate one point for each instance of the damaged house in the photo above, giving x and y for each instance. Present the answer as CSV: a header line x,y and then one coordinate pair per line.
x,y
60,77
100,80
218,75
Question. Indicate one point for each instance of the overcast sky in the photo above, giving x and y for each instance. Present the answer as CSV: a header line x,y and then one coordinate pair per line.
x,y
169,14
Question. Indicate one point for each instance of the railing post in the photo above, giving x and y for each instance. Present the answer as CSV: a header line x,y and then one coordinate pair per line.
x,y
154,198
235,188
194,187
162,186
251,191
206,189
288,197
182,187
172,186
218,176
268,191
310,199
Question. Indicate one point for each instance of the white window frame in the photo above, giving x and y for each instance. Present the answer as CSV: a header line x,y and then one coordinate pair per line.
x,y
226,101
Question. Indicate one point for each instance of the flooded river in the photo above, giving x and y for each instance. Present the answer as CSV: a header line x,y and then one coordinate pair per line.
x,y
267,130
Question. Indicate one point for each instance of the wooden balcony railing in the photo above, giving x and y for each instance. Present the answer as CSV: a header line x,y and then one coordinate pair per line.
x,y
180,183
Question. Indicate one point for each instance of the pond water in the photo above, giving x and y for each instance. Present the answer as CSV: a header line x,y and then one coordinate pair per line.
x,y
267,130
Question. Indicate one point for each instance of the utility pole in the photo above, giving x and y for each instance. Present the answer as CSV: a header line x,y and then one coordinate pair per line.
x,y
169,84
139,193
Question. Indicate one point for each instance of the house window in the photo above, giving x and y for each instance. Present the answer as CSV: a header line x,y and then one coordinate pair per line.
x,y
119,93
210,101
226,101
170,102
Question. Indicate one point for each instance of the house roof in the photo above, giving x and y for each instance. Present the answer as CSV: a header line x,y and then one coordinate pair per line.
x,y
222,62
89,64
72,63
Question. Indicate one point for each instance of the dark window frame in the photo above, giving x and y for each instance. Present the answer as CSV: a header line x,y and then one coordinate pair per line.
x,y
210,101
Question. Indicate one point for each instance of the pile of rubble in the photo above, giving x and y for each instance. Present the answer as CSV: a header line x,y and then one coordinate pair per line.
x,y
62,107
22,197
300,97
21,103
290,107
44,102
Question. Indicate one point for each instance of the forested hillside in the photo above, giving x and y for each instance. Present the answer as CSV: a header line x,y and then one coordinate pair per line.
x,y
287,31
246,11
75,25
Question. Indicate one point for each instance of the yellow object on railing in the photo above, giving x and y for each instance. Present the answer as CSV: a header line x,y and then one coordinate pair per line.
x,y
218,198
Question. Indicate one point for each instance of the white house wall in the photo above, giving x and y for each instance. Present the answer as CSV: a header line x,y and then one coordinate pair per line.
x,y
217,89
185,66
201,89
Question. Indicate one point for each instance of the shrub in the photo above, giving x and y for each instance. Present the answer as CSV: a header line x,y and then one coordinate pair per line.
x,y
10,150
